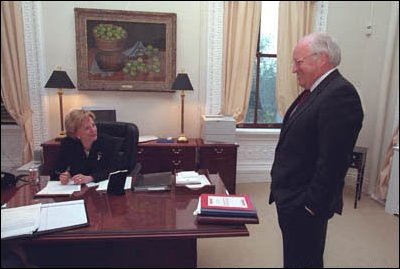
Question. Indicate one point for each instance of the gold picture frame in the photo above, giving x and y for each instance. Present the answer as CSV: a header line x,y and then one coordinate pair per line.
x,y
125,50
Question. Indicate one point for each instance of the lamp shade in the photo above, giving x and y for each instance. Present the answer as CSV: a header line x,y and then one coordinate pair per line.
x,y
182,82
59,79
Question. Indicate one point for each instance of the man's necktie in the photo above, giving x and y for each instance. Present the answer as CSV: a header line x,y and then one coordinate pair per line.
x,y
303,97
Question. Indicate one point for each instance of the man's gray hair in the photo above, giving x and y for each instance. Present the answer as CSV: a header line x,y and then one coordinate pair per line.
x,y
323,43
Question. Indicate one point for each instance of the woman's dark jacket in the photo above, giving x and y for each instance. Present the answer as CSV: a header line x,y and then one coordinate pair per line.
x,y
102,158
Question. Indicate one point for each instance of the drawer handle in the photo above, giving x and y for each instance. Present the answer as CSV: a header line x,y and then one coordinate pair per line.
x,y
218,151
176,163
177,151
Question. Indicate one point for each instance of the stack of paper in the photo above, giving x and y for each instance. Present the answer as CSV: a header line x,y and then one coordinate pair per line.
x,y
57,189
191,179
146,138
218,129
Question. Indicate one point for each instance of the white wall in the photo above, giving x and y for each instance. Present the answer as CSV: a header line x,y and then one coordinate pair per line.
x,y
363,62
155,113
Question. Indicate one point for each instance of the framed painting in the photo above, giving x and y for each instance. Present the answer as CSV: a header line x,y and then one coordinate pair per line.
x,y
125,50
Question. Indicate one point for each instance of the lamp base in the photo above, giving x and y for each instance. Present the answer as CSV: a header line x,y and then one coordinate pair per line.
x,y
60,136
182,139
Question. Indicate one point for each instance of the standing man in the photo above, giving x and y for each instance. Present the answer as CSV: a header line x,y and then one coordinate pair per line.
x,y
313,154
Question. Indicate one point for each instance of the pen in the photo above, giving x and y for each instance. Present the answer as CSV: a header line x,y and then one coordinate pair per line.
x,y
66,170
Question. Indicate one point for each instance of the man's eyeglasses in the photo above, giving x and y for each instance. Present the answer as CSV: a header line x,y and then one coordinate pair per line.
x,y
301,60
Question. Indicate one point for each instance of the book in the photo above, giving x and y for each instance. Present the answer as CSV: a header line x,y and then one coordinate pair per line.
x,y
153,182
165,140
226,220
42,218
226,205
55,188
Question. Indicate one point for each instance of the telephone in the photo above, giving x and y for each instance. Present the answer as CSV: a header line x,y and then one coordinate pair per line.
x,y
9,180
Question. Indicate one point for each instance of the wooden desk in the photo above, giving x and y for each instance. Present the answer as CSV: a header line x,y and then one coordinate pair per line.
x,y
163,157
137,229
221,159
359,157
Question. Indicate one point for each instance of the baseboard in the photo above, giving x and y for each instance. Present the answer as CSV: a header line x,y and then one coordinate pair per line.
x,y
249,176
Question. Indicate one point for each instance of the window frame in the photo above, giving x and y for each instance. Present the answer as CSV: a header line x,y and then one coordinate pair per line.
x,y
255,124
6,118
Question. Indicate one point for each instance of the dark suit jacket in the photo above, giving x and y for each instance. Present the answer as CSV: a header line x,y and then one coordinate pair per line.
x,y
314,149
101,161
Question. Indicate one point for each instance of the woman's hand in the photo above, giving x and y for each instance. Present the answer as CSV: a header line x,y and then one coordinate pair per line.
x,y
82,179
64,177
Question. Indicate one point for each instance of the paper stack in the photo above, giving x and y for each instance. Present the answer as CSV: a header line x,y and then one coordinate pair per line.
x,y
218,129
191,179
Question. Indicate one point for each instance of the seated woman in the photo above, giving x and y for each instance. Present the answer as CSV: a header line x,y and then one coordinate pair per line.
x,y
85,156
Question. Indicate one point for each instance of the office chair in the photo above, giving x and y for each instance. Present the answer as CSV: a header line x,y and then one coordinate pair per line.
x,y
129,133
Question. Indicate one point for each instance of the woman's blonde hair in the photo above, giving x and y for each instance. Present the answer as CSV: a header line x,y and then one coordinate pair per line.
x,y
74,120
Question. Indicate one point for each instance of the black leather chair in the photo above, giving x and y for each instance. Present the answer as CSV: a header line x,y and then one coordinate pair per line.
x,y
129,133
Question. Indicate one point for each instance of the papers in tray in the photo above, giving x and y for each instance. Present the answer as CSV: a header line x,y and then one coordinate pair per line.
x,y
42,218
191,179
153,182
55,188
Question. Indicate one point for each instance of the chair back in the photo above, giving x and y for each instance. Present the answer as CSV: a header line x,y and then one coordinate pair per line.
x,y
129,134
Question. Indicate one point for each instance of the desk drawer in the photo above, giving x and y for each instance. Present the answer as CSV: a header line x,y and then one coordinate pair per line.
x,y
356,160
158,159
220,159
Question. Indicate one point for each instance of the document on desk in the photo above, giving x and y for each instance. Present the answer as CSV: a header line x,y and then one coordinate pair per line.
x,y
102,185
191,179
55,188
42,218
56,216
22,220
146,138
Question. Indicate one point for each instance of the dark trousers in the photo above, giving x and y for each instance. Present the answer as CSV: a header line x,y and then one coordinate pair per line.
x,y
303,238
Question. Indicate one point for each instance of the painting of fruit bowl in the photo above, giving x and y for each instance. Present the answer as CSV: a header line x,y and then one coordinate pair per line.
x,y
109,37
125,50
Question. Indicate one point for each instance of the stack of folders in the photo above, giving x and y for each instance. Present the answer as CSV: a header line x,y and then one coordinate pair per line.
x,y
226,209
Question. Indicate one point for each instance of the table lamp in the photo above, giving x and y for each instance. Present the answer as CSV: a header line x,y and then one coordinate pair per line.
x,y
60,80
182,82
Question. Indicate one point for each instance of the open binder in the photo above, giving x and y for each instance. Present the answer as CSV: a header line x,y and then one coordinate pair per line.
x,y
38,219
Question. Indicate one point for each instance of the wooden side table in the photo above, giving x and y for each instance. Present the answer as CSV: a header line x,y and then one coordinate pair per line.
x,y
359,157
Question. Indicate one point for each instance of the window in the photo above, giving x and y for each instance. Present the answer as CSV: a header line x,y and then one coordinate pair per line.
x,y
5,117
262,111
